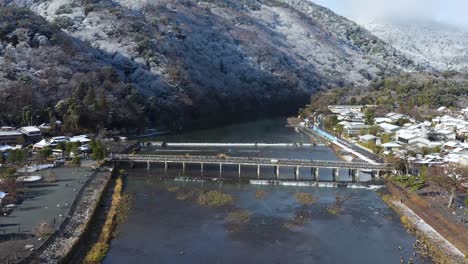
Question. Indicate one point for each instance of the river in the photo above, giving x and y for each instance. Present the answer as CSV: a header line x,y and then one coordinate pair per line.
x,y
261,224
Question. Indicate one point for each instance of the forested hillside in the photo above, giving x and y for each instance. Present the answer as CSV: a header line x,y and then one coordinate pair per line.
x,y
416,94
131,63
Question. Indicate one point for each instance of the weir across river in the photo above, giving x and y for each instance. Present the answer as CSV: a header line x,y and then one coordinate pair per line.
x,y
353,168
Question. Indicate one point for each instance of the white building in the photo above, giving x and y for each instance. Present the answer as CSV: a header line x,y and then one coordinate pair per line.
x,y
389,128
336,109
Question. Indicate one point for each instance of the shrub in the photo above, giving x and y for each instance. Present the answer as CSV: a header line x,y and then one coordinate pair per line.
x,y
214,199
411,182
172,188
50,177
259,194
305,198
44,229
238,216
64,22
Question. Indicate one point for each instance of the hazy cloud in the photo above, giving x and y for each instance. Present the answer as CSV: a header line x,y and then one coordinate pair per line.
x,y
448,11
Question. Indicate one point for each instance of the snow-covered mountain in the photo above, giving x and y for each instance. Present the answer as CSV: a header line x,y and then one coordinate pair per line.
x,y
179,60
442,46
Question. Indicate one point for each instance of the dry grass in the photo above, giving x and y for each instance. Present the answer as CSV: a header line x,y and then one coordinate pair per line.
x,y
238,216
185,195
172,188
334,210
299,220
214,199
260,194
44,229
50,177
305,198
99,249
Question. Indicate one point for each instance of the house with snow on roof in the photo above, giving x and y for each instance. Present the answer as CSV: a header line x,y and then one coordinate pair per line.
x,y
32,133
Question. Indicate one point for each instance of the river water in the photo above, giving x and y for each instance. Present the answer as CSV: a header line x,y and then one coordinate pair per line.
x,y
168,224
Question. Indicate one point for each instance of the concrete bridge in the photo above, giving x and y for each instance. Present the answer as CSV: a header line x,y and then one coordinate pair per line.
x,y
234,145
314,165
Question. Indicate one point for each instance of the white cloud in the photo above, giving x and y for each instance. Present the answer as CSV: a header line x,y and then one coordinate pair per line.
x,y
448,11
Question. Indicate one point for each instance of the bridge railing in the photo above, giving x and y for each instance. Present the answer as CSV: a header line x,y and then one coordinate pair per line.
x,y
252,160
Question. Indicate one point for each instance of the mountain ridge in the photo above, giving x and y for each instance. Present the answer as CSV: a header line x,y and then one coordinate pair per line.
x,y
430,43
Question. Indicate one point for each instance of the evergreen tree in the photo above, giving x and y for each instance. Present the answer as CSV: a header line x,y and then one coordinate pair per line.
x,y
90,98
369,117
99,152
76,161
45,153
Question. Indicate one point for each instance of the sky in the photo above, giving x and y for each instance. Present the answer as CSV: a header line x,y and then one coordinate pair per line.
x,y
453,12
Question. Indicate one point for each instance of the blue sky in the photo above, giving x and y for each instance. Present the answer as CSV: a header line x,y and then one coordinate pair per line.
x,y
447,11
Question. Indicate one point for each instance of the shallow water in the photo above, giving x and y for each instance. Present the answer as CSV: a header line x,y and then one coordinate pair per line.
x,y
164,229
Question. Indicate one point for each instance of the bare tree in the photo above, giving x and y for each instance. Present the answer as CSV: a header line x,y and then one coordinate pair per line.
x,y
449,177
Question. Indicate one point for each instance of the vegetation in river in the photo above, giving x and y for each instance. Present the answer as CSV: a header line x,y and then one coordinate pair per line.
x,y
238,216
305,198
214,199
99,249
299,219
124,207
260,194
172,188
183,195
337,207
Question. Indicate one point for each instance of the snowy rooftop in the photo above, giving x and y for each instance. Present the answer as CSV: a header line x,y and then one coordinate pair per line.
x,y
388,127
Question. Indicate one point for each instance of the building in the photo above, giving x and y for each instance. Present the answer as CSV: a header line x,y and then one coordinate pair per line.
x,y
368,138
11,137
33,134
390,146
336,109
83,139
389,128
41,144
355,129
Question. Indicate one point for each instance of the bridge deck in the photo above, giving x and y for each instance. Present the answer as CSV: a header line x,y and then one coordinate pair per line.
x,y
251,161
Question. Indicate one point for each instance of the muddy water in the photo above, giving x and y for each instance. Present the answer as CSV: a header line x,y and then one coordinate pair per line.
x,y
167,224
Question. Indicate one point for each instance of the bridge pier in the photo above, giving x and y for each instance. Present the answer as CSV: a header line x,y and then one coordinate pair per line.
x,y
165,168
220,170
201,169
336,174
296,173
355,175
258,172
315,174
239,171
277,172
183,168
148,166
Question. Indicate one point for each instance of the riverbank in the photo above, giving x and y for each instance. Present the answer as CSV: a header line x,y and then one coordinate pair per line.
x,y
445,242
